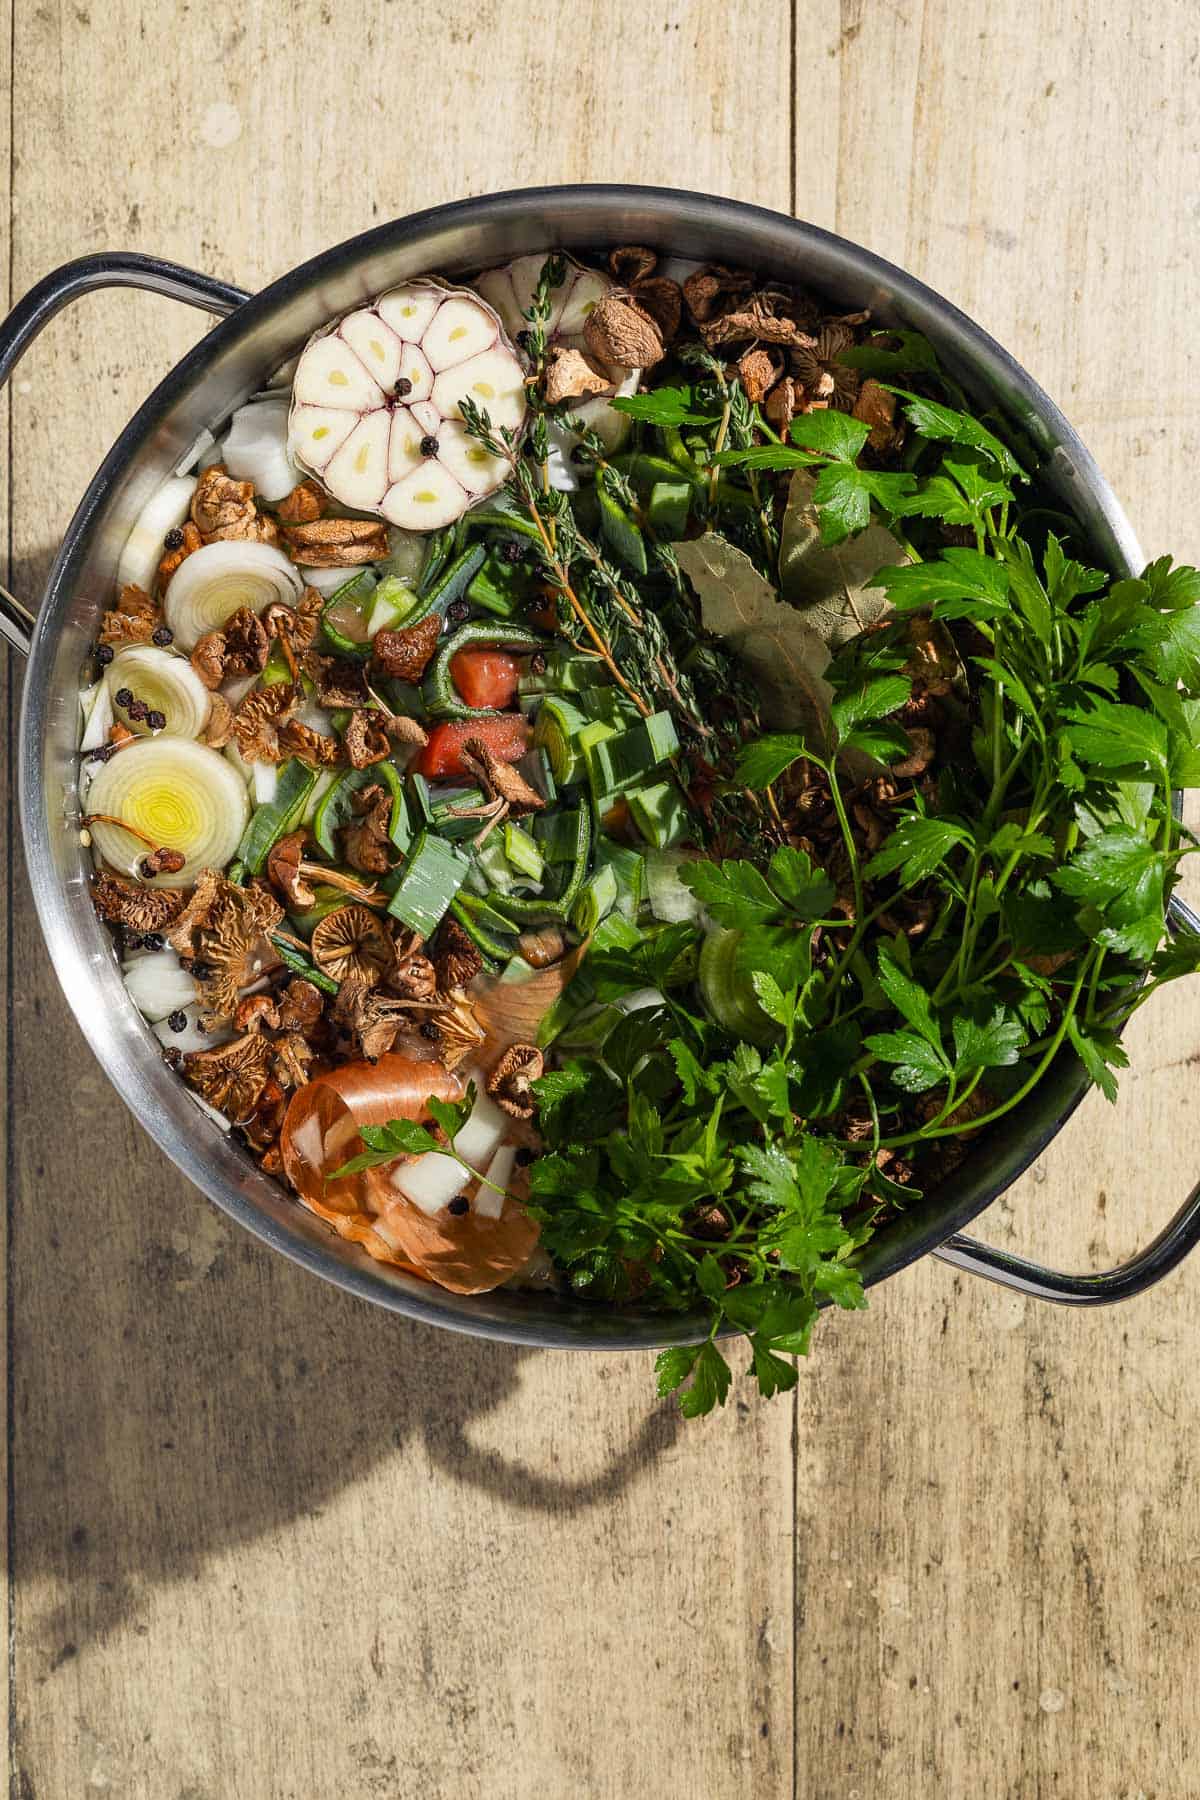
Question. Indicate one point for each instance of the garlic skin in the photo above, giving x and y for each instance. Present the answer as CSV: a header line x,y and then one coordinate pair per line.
x,y
510,290
375,404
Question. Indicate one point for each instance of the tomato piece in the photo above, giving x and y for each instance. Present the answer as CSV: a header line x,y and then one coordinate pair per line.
x,y
486,678
508,738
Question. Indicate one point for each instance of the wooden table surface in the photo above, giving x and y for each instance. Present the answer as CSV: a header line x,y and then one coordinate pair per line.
x,y
265,1542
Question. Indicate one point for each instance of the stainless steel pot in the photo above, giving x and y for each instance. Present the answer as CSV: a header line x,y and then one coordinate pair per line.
x,y
256,334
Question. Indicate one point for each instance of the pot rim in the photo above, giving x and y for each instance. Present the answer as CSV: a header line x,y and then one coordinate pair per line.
x,y
593,209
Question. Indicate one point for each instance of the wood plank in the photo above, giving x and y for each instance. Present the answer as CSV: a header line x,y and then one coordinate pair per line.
x,y
996,1502
267,1540
12,686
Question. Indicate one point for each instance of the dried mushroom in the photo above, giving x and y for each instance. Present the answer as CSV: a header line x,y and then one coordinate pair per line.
x,y
240,648
290,1059
336,543
298,739
617,332
295,627
219,730
365,841
300,1005
137,908
174,553
372,1018
366,738
257,1012
759,370
284,863
877,408
224,508
339,680
706,290
406,654
815,365
570,375
231,1076
459,1032
305,503
352,944
510,1082
133,620
224,932
631,263
459,960
412,976
257,721
500,779
761,317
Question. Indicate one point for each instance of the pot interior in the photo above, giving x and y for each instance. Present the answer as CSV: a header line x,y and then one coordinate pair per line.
x,y
231,363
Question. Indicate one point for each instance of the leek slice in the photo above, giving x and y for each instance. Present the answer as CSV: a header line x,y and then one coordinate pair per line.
x,y
166,509
181,795
219,579
165,683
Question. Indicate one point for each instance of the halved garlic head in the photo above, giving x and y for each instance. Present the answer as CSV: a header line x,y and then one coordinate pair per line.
x,y
376,405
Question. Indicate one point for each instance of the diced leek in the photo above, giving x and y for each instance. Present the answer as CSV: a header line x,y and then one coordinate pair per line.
x,y
621,533
516,969
659,814
629,867
499,588
566,672
669,900
453,584
620,760
668,508
557,836
728,991
597,897
534,767
431,878
274,820
393,602
554,732
522,851
495,866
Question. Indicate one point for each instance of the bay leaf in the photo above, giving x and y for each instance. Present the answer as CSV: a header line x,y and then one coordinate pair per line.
x,y
772,640
826,581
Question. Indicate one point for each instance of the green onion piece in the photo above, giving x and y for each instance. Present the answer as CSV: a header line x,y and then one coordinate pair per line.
x,y
557,836
566,672
484,915
522,851
453,583
668,508
337,806
620,760
271,821
555,731
597,897
629,867
436,552
292,959
431,878
659,814
622,534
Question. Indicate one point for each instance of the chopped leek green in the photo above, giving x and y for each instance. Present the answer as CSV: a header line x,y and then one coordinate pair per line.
x,y
621,533
431,878
271,821
659,814
617,761
555,731
337,807
522,851
668,508
597,897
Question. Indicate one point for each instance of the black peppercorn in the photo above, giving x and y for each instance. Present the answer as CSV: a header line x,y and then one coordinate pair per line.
x,y
154,940
155,720
402,387
522,340
162,635
430,1030
123,696
457,611
177,1021
429,446
510,550
459,1206
173,1057
103,753
174,539
202,970
137,710
104,654
133,940
523,1157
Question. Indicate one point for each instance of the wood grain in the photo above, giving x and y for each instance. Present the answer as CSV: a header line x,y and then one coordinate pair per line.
x,y
267,1542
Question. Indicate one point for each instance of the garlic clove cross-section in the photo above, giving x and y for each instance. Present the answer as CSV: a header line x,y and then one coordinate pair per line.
x,y
376,404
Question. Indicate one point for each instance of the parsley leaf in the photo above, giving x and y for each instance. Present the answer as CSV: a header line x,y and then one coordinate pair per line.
x,y
665,406
939,422
708,1369
916,847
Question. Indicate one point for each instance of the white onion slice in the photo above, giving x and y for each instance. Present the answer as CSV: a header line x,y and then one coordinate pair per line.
x,y
166,509
374,393
158,984
217,580
432,1181
168,684
264,780
181,795
328,581
256,448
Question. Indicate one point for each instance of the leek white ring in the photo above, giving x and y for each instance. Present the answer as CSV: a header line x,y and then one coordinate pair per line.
x,y
180,794
219,579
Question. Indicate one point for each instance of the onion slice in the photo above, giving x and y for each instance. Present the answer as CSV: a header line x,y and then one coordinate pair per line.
x,y
166,508
256,448
217,580
165,683
181,795
158,984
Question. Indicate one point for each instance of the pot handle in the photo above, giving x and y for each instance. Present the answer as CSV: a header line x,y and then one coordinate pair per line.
x,y
1129,1278
32,313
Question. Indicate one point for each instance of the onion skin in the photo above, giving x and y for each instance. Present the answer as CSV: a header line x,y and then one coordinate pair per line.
x,y
468,1255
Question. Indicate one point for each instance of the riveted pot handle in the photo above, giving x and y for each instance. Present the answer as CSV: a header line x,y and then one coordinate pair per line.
x,y
1142,1271
31,315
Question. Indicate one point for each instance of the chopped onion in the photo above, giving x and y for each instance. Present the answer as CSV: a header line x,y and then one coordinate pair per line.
x,y
158,984
256,448
179,794
217,580
264,780
97,716
487,1202
191,1037
166,509
165,683
431,1181
328,581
